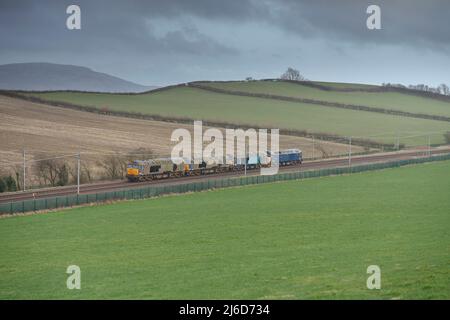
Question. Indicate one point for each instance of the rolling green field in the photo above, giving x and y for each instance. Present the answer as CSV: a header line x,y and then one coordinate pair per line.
x,y
386,100
193,103
311,239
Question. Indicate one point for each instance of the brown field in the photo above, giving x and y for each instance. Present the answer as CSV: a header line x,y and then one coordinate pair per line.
x,y
53,131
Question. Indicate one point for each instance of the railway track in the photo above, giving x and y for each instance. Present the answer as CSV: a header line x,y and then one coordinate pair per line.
x,y
307,165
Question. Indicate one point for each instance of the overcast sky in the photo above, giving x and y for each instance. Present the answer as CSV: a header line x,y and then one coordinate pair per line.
x,y
172,41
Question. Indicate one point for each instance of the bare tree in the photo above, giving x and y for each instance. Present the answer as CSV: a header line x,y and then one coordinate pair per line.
x,y
85,172
47,172
322,149
114,166
110,164
292,74
445,90
54,172
441,89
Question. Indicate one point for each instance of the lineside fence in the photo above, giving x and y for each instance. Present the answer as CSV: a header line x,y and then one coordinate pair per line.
x,y
155,191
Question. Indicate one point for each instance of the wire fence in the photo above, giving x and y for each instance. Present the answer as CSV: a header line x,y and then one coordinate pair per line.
x,y
155,191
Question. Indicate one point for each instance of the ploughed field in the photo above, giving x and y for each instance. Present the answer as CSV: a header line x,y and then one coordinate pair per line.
x,y
309,239
190,102
47,131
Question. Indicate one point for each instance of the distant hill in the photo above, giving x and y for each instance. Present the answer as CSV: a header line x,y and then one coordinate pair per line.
x,y
50,76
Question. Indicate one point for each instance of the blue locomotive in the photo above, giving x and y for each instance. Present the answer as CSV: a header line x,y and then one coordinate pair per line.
x,y
287,157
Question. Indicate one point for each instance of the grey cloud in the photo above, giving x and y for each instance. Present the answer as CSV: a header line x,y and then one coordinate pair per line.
x,y
180,40
414,23
106,26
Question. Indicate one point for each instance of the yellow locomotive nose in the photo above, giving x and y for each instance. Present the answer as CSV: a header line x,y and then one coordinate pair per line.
x,y
132,171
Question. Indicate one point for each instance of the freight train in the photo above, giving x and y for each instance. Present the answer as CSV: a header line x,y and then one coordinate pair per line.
x,y
164,168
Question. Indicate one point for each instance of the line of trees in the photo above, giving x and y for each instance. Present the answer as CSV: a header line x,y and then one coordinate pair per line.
x,y
441,89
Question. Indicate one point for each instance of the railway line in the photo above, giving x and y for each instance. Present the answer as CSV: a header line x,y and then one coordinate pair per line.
x,y
307,165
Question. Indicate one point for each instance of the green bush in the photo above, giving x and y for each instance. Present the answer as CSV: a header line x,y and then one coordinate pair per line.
x,y
7,184
63,175
447,137
2,185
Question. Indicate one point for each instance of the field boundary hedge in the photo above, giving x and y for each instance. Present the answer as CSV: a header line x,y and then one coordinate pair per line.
x,y
366,88
369,88
155,191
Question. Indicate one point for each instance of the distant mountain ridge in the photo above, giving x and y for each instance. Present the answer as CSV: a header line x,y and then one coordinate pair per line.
x,y
50,76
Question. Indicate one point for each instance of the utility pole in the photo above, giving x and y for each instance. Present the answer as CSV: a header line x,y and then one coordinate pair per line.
x,y
313,147
78,173
24,170
429,146
245,158
398,142
350,151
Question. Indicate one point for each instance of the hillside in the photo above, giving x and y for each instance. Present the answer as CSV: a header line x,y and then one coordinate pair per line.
x,y
191,102
371,98
50,76
46,131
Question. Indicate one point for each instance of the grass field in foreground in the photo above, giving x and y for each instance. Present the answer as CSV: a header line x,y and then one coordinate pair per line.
x,y
199,104
300,239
